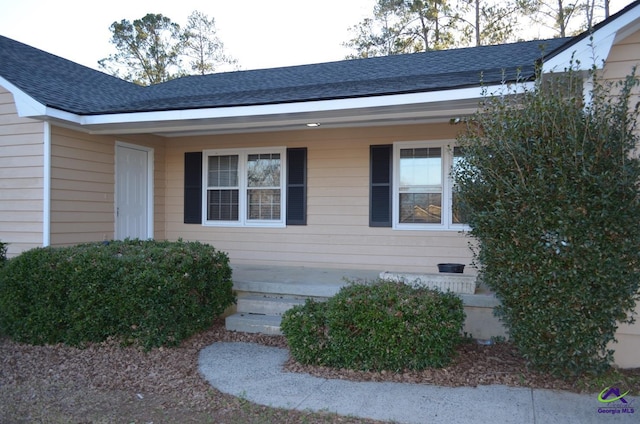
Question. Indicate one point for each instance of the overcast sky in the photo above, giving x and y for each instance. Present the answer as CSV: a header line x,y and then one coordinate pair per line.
x,y
258,33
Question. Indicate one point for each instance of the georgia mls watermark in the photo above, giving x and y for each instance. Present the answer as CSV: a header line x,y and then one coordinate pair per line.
x,y
613,402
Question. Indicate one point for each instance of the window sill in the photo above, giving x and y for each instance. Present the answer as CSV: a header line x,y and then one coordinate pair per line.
x,y
244,225
428,227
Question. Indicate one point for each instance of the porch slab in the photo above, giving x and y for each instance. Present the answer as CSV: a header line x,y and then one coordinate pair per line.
x,y
297,274
257,285
297,281
326,282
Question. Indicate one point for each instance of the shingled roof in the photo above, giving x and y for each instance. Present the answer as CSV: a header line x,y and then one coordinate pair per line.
x,y
397,74
68,86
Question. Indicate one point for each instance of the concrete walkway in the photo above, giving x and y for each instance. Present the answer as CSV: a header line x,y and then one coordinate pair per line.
x,y
255,372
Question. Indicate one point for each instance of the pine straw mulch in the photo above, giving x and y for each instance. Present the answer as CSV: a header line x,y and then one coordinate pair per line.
x,y
476,365
66,382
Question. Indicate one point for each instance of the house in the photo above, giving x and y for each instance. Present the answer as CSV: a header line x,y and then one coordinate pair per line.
x,y
296,166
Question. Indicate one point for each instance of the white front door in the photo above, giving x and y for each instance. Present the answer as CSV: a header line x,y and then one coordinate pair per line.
x,y
134,185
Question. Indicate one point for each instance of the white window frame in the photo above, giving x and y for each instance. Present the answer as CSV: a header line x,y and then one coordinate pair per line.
x,y
243,220
447,187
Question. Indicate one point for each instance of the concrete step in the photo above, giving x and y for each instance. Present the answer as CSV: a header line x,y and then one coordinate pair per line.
x,y
291,289
261,284
254,323
266,304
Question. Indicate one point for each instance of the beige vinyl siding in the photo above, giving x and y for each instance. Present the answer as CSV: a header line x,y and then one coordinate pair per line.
x,y
337,233
21,178
83,184
628,346
625,55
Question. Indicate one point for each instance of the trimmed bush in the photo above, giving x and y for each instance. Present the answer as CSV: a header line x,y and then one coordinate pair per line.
x,y
153,293
551,185
381,326
306,330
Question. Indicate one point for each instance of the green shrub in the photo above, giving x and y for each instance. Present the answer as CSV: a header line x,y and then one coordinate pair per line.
x,y
551,185
305,327
381,326
148,292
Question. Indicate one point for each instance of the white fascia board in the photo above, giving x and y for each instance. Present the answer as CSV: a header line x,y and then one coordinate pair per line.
x,y
26,105
594,49
293,108
63,116
30,108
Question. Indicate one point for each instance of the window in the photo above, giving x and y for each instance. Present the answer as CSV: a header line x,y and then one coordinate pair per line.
x,y
196,182
458,210
422,194
420,185
244,187
223,191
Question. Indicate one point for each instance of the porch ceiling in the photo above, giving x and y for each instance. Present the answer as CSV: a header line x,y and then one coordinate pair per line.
x,y
331,114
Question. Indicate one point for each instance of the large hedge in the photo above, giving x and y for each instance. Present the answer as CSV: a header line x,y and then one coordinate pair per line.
x,y
550,179
148,292
379,326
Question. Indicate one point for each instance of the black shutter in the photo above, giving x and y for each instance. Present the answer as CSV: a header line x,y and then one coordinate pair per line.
x,y
193,188
297,186
380,186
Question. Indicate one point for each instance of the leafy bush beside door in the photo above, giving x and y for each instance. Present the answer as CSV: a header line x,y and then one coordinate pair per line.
x,y
550,179
149,292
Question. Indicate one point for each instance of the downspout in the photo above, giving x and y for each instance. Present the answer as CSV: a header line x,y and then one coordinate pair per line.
x,y
46,187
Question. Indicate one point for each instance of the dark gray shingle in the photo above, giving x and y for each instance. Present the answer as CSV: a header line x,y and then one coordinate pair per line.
x,y
64,85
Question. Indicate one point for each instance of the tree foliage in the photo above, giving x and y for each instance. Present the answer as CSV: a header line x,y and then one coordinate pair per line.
x,y
409,26
486,23
404,26
566,17
147,50
550,180
556,14
202,46
151,50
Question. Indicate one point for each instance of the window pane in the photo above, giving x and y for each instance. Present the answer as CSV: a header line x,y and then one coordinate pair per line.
x,y
459,210
222,205
223,171
420,208
263,204
263,170
421,167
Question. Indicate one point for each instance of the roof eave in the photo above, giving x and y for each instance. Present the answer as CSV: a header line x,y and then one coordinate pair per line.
x,y
26,105
394,109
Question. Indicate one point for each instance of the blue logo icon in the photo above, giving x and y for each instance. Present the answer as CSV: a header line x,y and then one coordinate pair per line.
x,y
614,402
605,396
